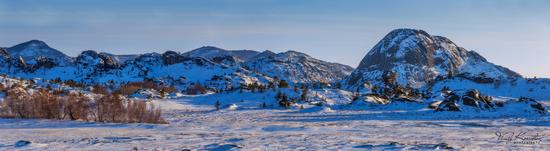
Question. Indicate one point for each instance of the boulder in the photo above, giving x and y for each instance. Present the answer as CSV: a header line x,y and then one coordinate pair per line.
x,y
533,104
434,104
22,143
171,57
377,99
477,100
449,104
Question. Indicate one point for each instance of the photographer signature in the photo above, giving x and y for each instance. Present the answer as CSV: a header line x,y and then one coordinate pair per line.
x,y
519,137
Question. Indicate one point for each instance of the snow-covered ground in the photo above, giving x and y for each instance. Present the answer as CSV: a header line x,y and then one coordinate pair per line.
x,y
196,125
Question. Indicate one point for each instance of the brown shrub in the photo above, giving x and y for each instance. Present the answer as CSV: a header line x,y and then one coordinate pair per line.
x,y
196,89
132,87
73,83
77,107
107,108
98,89
137,111
2,87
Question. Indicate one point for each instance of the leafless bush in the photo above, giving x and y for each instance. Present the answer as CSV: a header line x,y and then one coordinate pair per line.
x,y
77,107
98,89
2,87
41,103
110,109
132,87
196,89
137,111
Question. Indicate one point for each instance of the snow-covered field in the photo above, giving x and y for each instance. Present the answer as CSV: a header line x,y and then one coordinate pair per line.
x,y
198,126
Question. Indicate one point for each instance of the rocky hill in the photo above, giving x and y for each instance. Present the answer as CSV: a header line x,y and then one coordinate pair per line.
x,y
419,58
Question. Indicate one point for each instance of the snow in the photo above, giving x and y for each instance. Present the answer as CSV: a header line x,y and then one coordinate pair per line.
x,y
419,58
197,126
244,124
30,50
329,119
538,89
298,68
210,52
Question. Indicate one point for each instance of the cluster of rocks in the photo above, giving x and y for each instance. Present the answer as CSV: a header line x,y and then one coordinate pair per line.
x,y
474,99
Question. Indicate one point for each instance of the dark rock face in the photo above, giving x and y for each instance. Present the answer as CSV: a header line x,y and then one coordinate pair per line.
x,y
475,99
434,105
20,62
534,104
264,54
472,98
449,104
479,102
210,52
4,53
43,62
171,57
91,58
226,60
148,59
419,58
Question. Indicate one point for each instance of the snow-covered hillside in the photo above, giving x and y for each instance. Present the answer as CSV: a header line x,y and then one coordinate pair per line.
x,y
419,58
213,67
297,67
412,91
31,51
210,52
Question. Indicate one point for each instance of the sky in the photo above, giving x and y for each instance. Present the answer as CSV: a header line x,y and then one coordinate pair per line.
x,y
511,33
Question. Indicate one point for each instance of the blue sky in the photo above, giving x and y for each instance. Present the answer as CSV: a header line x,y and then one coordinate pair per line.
x,y
512,33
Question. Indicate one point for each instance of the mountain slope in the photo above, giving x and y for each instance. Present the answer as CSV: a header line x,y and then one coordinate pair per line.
x,y
210,52
34,49
121,58
297,67
419,58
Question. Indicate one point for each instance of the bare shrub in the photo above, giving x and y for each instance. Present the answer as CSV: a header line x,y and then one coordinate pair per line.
x,y
73,83
196,89
128,89
98,89
16,103
77,107
109,108
45,105
41,103
132,87
2,87
138,111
